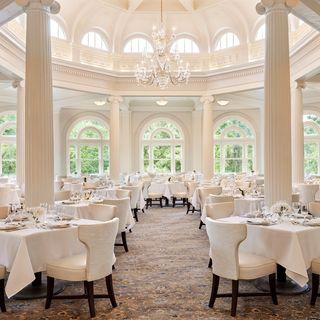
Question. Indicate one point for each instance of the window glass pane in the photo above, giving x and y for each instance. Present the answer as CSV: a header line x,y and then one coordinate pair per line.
x,y
311,150
233,166
310,166
106,158
161,135
217,166
261,33
233,151
10,131
101,127
178,166
178,152
309,131
162,152
90,134
8,153
250,165
138,45
233,134
146,165
94,40
73,160
146,152
162,166
250,151
227,40
89,156
8,117
56,30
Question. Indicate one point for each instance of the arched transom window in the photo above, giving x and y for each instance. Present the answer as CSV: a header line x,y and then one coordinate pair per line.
x,y
94,39
185,45
311,143
162,147
56,30
88,147
8,148
227,40
261,33
138,45
234,148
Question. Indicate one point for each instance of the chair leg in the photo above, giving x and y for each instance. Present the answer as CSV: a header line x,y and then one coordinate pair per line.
x,y
160,200
50,287
272,284
124,241
188,207
135,211
201,224
90,296
110,290
210,263
2,304
174,202
235,292
315,287
214,290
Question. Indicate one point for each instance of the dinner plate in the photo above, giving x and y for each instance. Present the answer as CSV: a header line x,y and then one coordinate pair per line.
x,y
10,226
58,225
259,222
312,223
68,202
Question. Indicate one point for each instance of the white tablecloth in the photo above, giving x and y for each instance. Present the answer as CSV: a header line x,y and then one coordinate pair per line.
x,y
247,205
25,252
174,187
291,246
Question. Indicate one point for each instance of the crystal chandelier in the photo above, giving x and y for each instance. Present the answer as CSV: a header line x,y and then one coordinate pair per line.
x,y
162,67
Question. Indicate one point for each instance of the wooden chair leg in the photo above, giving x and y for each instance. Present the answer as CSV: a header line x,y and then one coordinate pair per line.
x,y
124,241
90,295
50,287
174,202
110,290
315,287
273,286
210,263
201,224
188,207
235,292
135,212
2,303
214,290
160,200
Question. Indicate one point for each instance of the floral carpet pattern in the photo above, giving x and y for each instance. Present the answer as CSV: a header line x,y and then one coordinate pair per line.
x,y
165,276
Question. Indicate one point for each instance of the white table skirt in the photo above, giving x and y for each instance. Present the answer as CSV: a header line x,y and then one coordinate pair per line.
x,y
27,251
291,246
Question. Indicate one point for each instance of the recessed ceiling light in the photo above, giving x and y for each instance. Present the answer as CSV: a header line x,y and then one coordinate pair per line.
x,y
223,102
100,103
162,102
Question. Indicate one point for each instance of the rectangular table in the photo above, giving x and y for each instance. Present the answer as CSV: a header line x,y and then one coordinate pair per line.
x,y
291,246
27,251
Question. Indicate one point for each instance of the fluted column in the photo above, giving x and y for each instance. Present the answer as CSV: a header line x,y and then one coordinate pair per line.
x,y
20,172
39,157
297,133
277,108
115,137
196,137
207,137
125,115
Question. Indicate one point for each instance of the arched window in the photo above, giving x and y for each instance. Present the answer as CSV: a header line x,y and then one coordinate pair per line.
x,y
137,45
261,33
185,45
93,39
311,143
88,147
162,147
8,148
56,30
227,40
234,149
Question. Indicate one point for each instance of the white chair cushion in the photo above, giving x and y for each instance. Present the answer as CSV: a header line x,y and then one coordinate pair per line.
x,y
70,268
253,266
180,195
154,195
2,272
315,266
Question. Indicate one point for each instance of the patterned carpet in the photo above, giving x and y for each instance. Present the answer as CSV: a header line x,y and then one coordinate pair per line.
x,y
165,276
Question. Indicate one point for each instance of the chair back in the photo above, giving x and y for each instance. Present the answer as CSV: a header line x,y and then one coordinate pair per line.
x,y
219,210
62,195
205,192
99,240
295,197
219,198
307,192
191,186
122,211
4,212
178,187
123,193
314,208
102,212
225,239
135,193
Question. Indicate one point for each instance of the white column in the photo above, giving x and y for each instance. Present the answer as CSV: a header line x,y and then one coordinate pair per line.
x,y
115,137
260,143
125,146
207,137
277,108
297,133
57,144
39,155
196,138
20,86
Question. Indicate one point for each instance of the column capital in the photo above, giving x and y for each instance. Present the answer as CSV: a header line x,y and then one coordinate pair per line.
x,y
265,6
18,84
115,99
300,84
207,99
51,5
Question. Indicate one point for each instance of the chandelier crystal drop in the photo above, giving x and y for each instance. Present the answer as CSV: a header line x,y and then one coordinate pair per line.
x,y
162,67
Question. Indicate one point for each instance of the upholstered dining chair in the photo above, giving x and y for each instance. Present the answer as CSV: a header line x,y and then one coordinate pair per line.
x,y
314,208
4,211
102,212
204,193
2,276
93,265
315,269
134,198
121,193
122,206
179,192
62,195
231,264
216,211
307,193
213,198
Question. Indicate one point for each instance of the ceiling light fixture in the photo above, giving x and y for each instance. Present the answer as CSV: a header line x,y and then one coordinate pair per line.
x,y
162,102
100,103
223,102
162,67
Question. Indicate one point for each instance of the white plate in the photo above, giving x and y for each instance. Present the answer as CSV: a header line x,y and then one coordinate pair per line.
x,y
58,225
259,222
312,223
9,226
68,202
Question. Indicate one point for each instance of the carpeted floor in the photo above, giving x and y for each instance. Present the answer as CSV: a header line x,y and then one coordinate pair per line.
x,y
165,276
